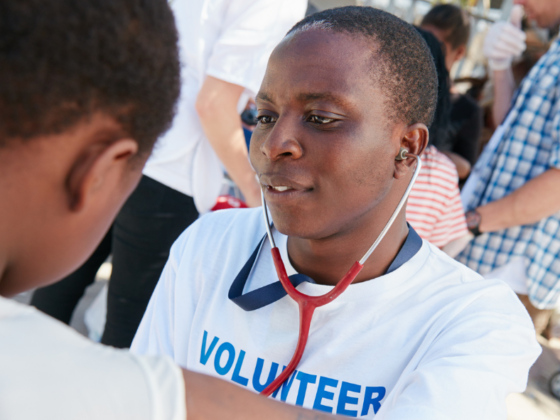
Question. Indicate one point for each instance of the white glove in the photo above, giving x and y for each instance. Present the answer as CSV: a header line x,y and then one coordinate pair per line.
x,y
504,41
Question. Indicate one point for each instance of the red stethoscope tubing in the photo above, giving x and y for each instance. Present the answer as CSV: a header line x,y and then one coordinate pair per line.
x,y
307,305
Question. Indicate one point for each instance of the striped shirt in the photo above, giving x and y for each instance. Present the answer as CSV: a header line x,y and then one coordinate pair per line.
x,y
434,206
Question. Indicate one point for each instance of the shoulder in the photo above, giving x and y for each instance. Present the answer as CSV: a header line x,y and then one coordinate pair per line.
x,y
471,293
224,224
220,232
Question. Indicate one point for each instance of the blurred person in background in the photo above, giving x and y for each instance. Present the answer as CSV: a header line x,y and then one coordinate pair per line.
x,y
224,47
434,206
511,197
451,26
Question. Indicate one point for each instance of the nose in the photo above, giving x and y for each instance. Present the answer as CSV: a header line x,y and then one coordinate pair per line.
x,y
282,142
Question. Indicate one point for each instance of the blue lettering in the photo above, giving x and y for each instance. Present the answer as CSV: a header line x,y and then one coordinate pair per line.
x,y
205,354
344,399
322,393
236,377
257,375
285,387
369,400
222,370
304,379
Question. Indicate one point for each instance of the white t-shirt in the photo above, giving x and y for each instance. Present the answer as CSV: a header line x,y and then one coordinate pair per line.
x,y
430,340
50,372
232,41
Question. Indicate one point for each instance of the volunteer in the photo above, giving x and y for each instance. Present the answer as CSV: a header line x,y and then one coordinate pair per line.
x,y
417,335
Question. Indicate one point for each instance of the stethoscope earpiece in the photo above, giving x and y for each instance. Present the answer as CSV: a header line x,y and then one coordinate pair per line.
x,y
402,154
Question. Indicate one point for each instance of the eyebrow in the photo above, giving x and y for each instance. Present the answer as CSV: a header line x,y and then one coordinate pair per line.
x,y
308,97
265,97
323,96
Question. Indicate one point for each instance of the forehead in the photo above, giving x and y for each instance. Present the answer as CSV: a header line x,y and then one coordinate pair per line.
x,y
333,65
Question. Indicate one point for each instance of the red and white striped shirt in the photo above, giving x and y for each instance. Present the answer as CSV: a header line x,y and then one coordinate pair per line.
x,y
434,206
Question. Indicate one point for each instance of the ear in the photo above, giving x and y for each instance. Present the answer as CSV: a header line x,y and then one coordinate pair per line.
x,y
460,52
100,165
414,139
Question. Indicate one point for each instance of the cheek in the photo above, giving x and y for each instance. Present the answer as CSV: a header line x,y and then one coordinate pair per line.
x,y
361,177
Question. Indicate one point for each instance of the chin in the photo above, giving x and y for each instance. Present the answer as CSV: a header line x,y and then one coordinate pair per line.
x,y
300,225
293,224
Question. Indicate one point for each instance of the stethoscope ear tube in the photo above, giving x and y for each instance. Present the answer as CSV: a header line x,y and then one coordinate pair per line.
x,y
308,304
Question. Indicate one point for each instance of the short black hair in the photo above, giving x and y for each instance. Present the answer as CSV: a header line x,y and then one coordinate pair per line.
x,y
61,61
403,67
453,20
440,134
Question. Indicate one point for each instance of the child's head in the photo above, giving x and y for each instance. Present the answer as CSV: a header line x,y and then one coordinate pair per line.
x,y
86,89
342,93
451,26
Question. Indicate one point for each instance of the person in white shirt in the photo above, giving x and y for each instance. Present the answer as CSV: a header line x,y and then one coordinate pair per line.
x,y
417,335
77,123
224,47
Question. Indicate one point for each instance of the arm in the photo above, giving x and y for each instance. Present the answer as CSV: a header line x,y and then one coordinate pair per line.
x,y
209,398
504,87
216,106
530,203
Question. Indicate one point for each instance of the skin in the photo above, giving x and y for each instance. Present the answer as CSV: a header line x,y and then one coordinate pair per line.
x,y
217,97
60,194
546,13
322,132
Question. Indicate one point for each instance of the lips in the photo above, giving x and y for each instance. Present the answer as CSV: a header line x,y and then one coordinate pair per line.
x,y
278,186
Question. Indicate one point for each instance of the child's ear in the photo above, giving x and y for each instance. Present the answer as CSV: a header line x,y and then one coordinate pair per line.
x,y
414,140
100,165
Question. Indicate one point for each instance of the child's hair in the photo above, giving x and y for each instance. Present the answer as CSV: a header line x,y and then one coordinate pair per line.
x,y
61,61
402,65
451,19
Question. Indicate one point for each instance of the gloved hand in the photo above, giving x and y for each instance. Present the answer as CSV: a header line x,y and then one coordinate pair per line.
x,y
504,41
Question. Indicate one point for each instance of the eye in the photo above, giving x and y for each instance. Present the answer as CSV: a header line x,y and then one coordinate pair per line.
x,y
265,119
317,119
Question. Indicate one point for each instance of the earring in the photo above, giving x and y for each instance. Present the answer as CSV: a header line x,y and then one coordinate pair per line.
x,y
402,154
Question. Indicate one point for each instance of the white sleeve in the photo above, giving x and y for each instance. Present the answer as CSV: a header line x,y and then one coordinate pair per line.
x,y
250,31
471,367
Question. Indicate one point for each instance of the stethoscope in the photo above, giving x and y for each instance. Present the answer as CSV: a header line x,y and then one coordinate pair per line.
x,y
307,304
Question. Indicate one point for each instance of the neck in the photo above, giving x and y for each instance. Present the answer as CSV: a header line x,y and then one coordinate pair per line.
x,y
327,260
